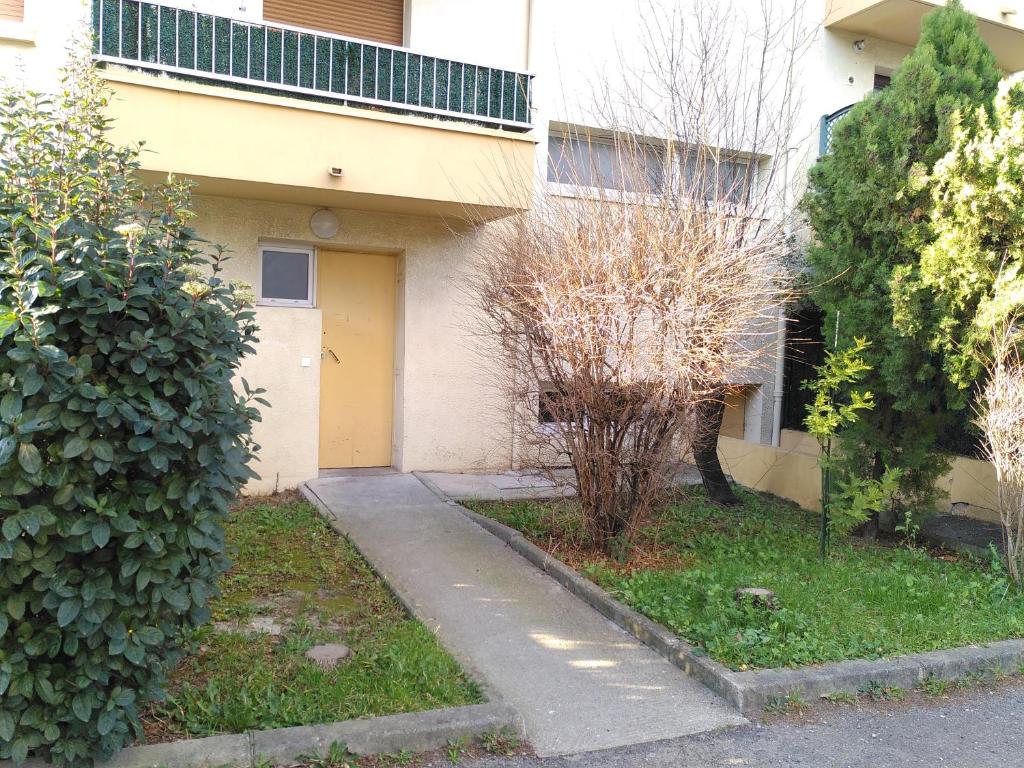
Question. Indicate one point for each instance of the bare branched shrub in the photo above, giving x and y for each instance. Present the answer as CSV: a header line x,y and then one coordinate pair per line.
x,y
1002,420
719,84
618,316
625,305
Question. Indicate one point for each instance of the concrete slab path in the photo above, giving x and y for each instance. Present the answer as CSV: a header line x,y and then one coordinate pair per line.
x,y
578,681
522,484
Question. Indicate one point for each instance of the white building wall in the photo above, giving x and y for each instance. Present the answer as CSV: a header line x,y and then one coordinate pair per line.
x,y
495,34
33,51
449,413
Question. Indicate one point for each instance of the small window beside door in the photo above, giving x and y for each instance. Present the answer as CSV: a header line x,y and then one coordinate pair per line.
x,y
286,276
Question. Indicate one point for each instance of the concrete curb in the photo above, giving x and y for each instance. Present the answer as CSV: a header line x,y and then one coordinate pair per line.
x,y
414,731
751,691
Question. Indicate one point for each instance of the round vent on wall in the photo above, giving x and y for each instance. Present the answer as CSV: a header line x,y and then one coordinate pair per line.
x,y
324,224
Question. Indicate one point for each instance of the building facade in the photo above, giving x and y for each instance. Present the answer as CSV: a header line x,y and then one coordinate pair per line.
x,y
351,155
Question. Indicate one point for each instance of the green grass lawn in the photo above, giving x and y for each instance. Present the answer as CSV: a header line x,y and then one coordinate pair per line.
x,y
290,565
867,601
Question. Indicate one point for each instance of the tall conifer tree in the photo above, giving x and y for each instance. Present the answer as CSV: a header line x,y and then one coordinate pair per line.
x,y
869,205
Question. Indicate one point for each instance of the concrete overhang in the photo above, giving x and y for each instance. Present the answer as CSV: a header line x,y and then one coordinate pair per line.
x,y
899,21
249,145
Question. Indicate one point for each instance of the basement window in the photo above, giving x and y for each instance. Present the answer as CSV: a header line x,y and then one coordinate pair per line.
x,y
551,407
286,276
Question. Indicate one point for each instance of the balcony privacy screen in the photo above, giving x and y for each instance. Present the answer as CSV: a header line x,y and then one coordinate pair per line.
x,y
828,124
314,64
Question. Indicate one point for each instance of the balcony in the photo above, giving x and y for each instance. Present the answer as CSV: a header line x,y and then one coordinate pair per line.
x,y
271,112
828,122
307,63
1000,22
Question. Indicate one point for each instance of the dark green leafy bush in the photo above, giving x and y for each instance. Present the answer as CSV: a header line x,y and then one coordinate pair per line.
x,y
122,441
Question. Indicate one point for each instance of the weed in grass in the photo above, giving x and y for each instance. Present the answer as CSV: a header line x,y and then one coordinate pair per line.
x,y
504,741
879,691
791,702
867,601
456,750
337,756
841,697
397,758
935,686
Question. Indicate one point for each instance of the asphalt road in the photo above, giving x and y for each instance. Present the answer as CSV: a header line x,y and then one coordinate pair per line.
x,y
973,729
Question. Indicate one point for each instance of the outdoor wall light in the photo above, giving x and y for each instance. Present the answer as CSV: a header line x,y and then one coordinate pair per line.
x,y
858,45
324,224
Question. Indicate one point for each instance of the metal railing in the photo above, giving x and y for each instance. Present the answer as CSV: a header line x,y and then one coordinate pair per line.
x,y
828,122
280,58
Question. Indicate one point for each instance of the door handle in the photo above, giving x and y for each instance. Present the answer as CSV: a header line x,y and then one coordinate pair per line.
x,y
326,352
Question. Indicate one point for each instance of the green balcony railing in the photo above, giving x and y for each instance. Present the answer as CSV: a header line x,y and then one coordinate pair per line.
x,y
306,63
828,122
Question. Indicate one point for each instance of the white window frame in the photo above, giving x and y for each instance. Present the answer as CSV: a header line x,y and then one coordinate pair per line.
x,y
310,253
593,136
673,172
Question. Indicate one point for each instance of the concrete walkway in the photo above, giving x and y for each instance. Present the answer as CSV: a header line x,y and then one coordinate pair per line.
x,y
579,682
522,484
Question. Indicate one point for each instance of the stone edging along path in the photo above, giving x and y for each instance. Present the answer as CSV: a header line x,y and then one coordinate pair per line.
x,y
751,691
414,732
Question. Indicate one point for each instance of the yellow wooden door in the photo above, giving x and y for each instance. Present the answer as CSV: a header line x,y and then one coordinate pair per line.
x,y
357,300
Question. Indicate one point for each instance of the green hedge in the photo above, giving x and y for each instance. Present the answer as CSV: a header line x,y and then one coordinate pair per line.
x,y
122,441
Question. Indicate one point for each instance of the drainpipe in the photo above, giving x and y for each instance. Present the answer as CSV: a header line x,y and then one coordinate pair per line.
x,y
529,36
780,379
528,52
780,331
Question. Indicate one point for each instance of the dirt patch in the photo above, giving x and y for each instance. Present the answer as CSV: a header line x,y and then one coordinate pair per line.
x,y
561,534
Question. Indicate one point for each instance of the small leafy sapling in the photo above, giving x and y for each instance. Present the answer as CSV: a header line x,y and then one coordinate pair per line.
x,y
846,500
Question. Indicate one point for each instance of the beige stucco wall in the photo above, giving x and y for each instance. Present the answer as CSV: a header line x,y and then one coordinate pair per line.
x,y
791,471
288,433
270,147
447,407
